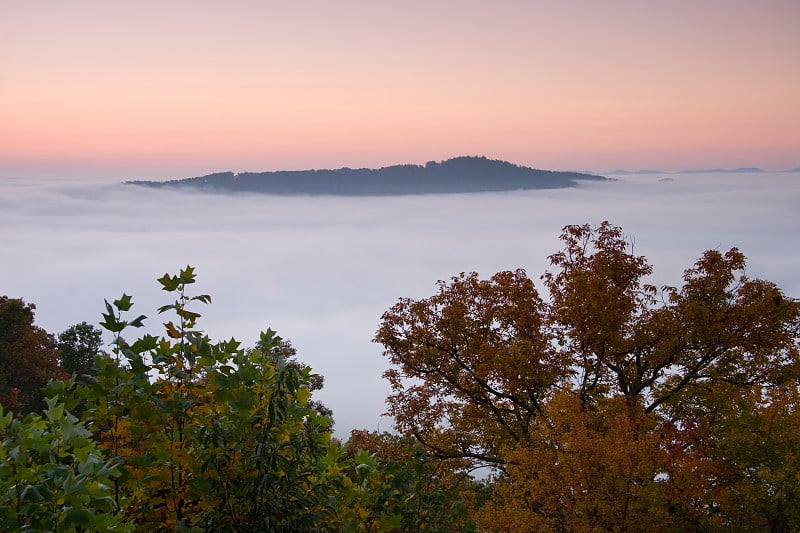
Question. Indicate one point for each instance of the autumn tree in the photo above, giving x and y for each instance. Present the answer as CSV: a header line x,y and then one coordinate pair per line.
x,y
591,470
28,358
733,463
588,401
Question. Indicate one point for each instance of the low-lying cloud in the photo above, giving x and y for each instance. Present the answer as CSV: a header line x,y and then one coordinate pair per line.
x,y
322,270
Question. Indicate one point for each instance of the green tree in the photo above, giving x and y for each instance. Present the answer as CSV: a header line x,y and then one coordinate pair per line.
x,y
78,347
210,436
286,351
393,484
28,358
597,403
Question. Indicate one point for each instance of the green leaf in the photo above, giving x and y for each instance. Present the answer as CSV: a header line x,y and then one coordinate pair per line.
x,y
188,315
55,411
137,322
169,283
145,343
110,321
74,485
5,419
124,303
138,365
187,275
31,494
81,517
268,340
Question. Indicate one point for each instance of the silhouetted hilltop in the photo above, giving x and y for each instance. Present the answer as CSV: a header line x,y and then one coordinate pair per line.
x,y
457,175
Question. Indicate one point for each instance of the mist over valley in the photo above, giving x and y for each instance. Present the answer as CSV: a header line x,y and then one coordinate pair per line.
x,y
322,269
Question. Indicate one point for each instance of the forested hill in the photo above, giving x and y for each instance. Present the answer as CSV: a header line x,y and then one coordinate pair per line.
x,y
457,175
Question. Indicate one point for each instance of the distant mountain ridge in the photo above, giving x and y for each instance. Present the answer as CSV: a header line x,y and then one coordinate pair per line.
x,y
742,170
457,175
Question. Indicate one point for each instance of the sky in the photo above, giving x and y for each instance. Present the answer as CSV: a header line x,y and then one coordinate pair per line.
x,y
322,270
131,90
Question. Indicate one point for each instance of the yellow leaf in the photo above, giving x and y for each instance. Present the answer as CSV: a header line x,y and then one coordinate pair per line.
x,y
172,331
361,512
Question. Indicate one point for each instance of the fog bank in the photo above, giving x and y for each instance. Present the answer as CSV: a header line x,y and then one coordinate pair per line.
x,y
322,270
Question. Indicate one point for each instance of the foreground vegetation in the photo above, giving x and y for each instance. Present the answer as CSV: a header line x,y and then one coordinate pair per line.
x,y
609,405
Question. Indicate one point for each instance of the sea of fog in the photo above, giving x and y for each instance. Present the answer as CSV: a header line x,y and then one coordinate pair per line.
x,y
322,270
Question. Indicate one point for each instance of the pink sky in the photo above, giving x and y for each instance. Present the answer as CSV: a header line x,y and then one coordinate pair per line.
x,y
174,89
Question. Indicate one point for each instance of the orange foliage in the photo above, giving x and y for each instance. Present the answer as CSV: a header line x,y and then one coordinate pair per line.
x,y
28,358
613,405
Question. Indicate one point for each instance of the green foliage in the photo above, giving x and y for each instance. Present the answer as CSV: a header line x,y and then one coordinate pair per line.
x,y
52,475
78,347
211,436
288,353
392,484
